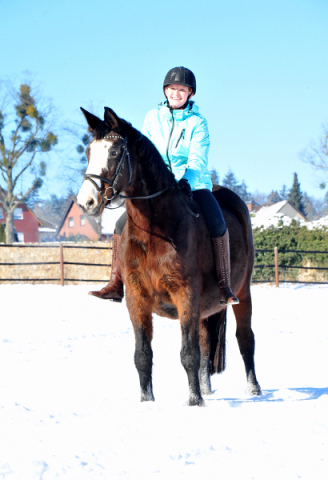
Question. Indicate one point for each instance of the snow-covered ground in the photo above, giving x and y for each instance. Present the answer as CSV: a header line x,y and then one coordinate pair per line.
x,y
69,393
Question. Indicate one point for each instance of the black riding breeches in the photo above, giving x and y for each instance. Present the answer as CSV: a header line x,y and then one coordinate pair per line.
x,y
209,207
211,211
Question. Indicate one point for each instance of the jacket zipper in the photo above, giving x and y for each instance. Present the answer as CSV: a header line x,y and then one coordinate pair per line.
x,y
168,143
181,136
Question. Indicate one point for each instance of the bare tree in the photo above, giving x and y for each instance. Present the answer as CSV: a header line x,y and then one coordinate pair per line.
x,y
25,137
317,154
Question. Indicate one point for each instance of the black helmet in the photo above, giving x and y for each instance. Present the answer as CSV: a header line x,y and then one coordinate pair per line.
x,y
180,76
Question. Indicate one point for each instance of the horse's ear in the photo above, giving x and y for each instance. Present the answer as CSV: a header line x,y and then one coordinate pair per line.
x,y
111,119
91,119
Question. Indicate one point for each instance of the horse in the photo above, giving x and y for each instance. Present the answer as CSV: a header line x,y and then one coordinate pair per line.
x,y
166,257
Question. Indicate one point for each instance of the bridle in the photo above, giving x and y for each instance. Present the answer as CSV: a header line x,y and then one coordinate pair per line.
x,y
112,183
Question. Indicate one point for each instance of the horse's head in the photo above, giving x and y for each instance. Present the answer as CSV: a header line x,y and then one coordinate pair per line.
x,y
109,169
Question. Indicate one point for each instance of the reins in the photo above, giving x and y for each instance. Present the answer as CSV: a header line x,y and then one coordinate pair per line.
x,y
112,183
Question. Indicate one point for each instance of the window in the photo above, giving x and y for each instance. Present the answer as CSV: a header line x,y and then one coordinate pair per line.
x,y
18,214
82,220
1,213
71,222
20,236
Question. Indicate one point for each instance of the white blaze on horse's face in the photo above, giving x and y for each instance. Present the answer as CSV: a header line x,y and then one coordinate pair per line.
x,y
88,197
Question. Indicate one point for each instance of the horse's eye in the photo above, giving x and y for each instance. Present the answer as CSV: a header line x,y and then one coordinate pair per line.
x,y
113,153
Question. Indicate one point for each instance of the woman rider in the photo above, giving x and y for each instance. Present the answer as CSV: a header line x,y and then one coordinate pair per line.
x,y
180,134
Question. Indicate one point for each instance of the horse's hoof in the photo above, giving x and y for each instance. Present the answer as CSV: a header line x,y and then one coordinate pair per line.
x,y
147,394
147,398
254,390
195,401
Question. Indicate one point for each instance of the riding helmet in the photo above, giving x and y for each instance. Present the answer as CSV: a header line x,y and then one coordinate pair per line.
x,y
180,76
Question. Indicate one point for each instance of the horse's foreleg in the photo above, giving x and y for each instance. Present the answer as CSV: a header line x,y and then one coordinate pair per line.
x,y
143,359
190,355
141,318
204,370
246,342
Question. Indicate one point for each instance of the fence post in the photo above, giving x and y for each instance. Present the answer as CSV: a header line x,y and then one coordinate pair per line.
x,y
61,250
276,265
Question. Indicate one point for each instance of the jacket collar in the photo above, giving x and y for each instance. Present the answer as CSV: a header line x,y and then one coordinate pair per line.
x,y
190,109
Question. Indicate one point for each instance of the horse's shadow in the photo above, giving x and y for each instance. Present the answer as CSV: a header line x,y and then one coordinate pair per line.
x,y
291,394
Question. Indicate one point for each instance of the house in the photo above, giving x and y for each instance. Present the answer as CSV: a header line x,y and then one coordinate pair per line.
x,y
26,223
75,222
47,232
281,213
253,206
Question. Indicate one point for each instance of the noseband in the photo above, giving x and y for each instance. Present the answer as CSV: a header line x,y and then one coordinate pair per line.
x,y
112,183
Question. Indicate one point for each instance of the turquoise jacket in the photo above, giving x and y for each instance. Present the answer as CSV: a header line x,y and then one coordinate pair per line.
x,y
187,144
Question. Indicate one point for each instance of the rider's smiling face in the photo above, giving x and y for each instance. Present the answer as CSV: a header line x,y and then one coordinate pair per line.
x,y
177,95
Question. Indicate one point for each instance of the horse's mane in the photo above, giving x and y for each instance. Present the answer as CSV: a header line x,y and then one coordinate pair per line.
x,y
145,150
156,166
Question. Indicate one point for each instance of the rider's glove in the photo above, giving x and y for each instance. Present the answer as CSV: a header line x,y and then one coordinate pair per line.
x,y
185,187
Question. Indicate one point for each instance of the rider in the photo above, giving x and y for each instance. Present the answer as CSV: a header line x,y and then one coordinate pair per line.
x,y
180,134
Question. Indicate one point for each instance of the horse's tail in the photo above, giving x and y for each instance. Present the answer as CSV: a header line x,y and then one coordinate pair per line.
x,y
216,325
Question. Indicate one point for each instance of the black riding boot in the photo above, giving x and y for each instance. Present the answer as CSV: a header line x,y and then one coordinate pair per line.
x,y
114,289
222,261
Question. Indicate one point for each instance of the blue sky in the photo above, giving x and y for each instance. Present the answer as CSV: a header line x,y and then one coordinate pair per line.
x,y
261,69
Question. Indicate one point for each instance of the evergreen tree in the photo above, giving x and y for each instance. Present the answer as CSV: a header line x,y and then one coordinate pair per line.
x,y
274,197
230,181
243,192
283,193
309,207
215,177
21,147
325,205
295,195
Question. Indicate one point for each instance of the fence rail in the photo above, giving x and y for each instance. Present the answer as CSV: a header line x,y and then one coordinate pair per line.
x,y
278,269
67,269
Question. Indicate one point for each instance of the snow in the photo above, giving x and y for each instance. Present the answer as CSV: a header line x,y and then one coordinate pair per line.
x,y
271,216
322,222
109,218
69,393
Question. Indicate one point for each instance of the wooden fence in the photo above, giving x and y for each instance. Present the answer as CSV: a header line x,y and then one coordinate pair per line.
x,y
55,263
285,273
79,263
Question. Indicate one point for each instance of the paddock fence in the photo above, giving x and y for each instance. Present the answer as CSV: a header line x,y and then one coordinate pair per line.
x,y
57,263
74,264
290,266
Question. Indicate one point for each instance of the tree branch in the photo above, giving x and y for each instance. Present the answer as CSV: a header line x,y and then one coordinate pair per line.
x,y
28,191
23,170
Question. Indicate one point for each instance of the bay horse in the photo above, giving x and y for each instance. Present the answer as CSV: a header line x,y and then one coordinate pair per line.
x,y
166,257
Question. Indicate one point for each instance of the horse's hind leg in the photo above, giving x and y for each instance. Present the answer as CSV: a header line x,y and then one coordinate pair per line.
x,y
190,351
205,348
246,342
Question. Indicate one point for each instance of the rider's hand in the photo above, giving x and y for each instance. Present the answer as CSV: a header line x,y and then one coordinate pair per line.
x,y
185,187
